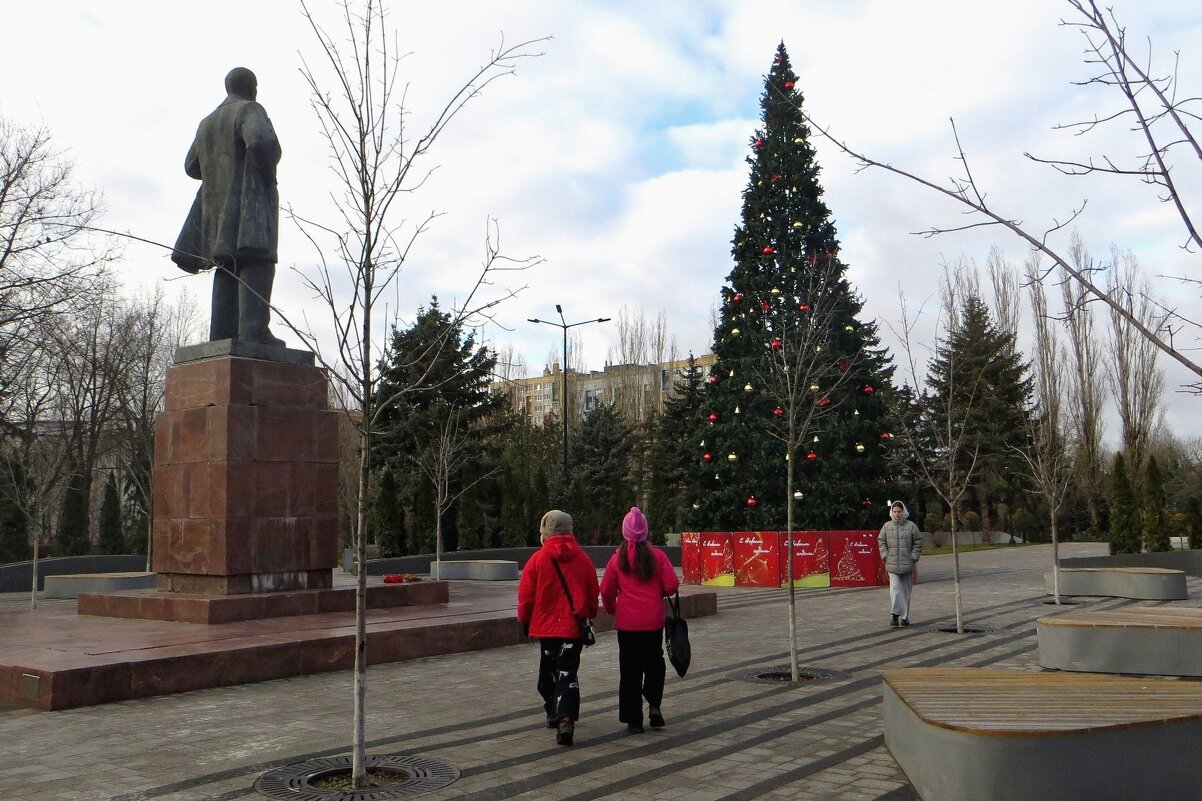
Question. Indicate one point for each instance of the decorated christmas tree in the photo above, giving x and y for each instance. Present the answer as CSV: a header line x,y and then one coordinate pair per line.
x,y
791,351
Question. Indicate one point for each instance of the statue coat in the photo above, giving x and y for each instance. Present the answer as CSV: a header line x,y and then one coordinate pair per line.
x,y
235,215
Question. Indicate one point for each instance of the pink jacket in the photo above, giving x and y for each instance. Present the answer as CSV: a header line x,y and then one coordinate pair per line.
x,y
638,605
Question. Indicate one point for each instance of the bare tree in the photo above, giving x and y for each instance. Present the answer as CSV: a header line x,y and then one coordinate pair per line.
x,y
1007,308
937,444
1049,439
1087,387
376,162
454,446
1136,381
1156,110
804,375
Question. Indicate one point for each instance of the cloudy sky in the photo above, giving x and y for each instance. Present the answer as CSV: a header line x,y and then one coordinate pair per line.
x,y
617,156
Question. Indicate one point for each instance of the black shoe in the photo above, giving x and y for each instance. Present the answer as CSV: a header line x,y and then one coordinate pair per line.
x,y
634,728
655,718
552,723
566,729
905,621
893,621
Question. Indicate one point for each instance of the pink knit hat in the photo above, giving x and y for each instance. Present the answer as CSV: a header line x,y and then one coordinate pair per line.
x,y
634,525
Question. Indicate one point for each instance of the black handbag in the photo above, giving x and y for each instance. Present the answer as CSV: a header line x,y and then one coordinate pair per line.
x,y
676,638
586,626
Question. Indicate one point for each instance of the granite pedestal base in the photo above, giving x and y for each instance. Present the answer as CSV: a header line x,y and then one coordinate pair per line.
x,y
245,478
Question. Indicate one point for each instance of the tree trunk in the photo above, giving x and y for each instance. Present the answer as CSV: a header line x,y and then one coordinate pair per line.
x,y
793,669
956,574
1055,559
358,771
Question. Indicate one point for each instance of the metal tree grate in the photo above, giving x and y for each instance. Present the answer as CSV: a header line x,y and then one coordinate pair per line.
x,y
294,781
783,675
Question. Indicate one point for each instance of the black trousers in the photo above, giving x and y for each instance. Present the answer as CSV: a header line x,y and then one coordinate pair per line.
x,y
559,660
641,670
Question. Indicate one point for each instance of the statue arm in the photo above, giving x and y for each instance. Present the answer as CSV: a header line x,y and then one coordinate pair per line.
x,y
192,162
258,135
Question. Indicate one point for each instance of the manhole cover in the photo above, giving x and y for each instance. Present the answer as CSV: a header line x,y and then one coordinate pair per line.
x,y
782,674
294,781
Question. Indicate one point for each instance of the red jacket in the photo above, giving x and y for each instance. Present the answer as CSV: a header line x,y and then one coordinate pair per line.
x,y
638,605
541,601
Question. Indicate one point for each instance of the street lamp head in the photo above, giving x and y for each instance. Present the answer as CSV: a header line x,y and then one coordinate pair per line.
x,y
603,319
533,320
558,309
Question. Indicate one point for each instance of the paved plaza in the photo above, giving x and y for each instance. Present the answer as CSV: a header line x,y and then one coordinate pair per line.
x,y
727,737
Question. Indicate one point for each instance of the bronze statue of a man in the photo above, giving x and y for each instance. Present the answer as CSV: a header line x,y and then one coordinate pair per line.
x,y
234,222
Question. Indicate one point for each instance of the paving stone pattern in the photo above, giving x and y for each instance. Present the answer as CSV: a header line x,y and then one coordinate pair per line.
x,y
726,738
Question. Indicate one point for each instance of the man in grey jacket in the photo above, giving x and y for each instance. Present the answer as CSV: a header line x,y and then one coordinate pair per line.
x,y
900,543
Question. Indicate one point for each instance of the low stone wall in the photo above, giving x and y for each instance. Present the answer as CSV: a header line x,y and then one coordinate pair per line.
x,y
15,577
421,564
1189,561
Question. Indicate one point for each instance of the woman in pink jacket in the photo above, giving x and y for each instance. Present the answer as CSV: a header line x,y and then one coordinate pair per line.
x,y
636,580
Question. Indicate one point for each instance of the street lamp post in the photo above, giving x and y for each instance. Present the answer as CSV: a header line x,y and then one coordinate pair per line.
x,y
563,400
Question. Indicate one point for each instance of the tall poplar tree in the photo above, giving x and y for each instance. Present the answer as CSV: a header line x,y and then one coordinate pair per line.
x,y
787,266
674,454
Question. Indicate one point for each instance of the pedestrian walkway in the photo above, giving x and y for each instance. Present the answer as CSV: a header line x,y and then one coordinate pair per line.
x,y
727,737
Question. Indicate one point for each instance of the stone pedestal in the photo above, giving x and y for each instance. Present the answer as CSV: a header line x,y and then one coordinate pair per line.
x,y
245,478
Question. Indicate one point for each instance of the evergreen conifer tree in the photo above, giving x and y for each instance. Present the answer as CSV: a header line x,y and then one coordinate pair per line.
x,y
436,354
111,528
14,523
1193,522
674,457
389,516
1153,518
71,536
990,395
785,240
599,478
1124,511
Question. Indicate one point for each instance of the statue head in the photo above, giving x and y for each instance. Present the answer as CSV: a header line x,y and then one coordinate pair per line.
x,y
242,82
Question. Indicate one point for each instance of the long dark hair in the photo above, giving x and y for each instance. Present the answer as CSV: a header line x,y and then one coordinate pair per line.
x,y
644,563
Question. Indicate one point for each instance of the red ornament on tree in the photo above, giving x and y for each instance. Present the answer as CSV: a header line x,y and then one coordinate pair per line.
x,y
752,502
757,144
844,366
737,297
866,503
811,456
709,457
886,435
824,401
713,418
778,411
868,390
765,305
804,307
788,85
713,379
776,344
775,177
768,250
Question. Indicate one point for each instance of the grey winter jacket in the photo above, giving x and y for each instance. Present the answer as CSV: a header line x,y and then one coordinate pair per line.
x,y
901,546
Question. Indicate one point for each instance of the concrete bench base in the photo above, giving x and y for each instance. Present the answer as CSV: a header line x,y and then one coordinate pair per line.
x,y
976,734
476,570
1141,583
1151,640
70,586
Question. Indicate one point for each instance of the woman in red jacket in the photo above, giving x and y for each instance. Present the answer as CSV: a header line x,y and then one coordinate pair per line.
x,y
636,580
558,590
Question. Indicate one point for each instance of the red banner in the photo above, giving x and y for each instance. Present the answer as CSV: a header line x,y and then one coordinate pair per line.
x,y
811,559
717,559
856,559
757,559
690,557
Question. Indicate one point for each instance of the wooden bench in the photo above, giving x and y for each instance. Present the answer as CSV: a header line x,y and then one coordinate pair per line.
x,y
1146,640
1141,583
982,734
71,585
477,570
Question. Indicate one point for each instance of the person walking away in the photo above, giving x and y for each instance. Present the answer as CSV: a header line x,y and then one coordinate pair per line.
x,y
557,591
637,578
900,543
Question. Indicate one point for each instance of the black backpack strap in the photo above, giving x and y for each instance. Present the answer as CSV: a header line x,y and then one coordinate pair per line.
x,y
564,583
